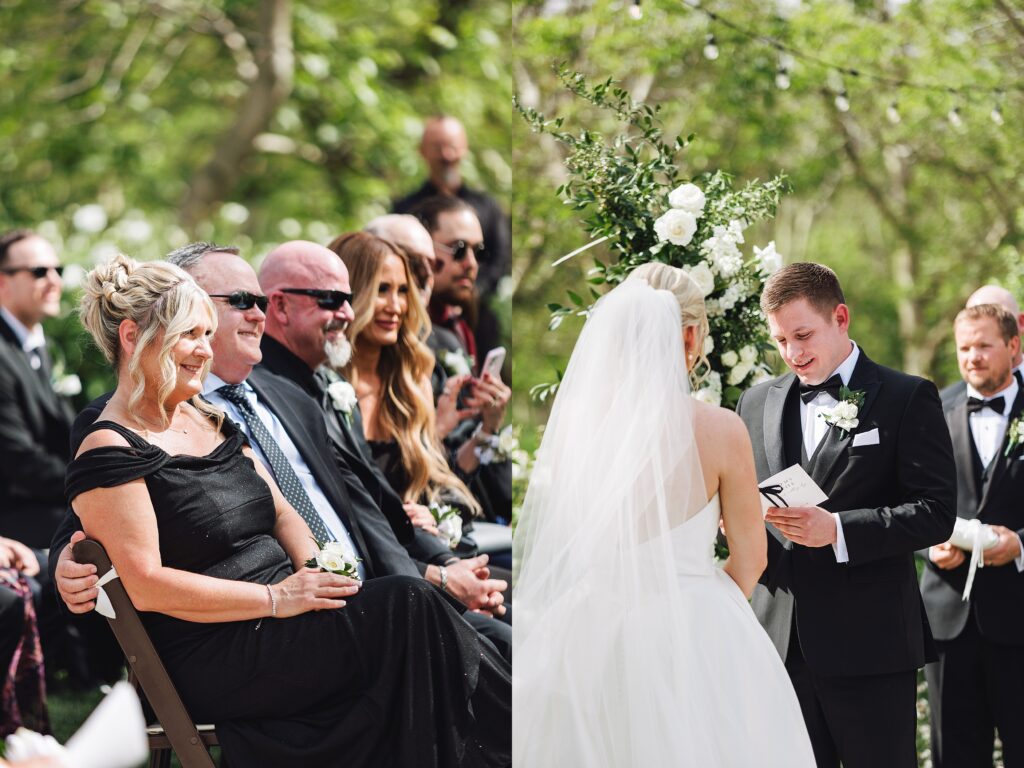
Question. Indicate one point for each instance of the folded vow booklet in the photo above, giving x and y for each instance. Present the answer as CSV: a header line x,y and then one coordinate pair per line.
x,y
792,487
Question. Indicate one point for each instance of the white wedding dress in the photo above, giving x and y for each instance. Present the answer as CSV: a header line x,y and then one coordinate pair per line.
x,y
632,648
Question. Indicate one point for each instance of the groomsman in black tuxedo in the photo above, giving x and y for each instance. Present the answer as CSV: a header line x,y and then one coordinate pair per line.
x,y
991,294
840,597
977,684
34,420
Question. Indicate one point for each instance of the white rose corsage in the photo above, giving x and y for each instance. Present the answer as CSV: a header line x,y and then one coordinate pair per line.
x,y
1014,435
332,558
449,523
844,414
494,449
343,398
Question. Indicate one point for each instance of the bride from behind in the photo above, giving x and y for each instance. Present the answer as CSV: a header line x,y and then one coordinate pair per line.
x,y
632,647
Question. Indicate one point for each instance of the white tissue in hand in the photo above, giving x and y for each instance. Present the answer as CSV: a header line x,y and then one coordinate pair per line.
x,y
966,532
24,744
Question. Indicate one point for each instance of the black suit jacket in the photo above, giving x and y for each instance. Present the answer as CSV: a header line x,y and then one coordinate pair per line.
x,y
862,617
998,592
352,456
34,427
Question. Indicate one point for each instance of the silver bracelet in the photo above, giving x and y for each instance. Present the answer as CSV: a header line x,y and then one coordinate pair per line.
x,y
273,602
443,573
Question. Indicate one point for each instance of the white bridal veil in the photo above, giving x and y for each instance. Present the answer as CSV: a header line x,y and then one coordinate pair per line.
x,y
600,619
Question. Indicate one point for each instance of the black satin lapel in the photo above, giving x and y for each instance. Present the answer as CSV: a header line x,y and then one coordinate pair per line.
x,y
1001,460
960,432
864,379
774,413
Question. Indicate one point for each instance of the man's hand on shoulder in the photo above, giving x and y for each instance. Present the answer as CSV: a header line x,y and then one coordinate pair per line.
x,y
809,526
76,582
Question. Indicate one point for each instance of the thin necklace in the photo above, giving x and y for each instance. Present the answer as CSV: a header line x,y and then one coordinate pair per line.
x,y
169,428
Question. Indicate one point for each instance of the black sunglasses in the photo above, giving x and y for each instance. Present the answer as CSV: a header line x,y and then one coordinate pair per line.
x,y
460,249
37,272
243,300
332,300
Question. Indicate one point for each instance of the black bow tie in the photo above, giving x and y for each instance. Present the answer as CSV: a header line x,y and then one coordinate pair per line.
x,y
997,404
832,385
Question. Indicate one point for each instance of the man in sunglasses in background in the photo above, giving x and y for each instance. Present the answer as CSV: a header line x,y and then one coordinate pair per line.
x,y
35,422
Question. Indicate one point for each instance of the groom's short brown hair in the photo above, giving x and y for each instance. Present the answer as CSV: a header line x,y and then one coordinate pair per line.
x,y
804,280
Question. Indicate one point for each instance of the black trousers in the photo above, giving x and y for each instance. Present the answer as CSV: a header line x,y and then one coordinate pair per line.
x,y
975,688
865,722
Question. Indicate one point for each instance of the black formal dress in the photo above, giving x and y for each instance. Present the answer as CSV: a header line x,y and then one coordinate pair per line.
x,y
977,684
393,679
853,634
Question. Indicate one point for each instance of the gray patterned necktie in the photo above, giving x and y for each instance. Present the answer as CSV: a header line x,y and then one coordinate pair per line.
x,y
286,478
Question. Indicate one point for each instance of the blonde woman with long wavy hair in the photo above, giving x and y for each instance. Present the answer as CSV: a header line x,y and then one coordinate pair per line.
x,y
390,370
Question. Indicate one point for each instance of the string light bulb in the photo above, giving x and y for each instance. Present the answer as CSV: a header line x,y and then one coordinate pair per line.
x,y
782,79
710,48
892,114
842,101
997,115
954,117
635,11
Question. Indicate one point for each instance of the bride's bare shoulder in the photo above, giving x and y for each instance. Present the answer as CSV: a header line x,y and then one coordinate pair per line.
x,y
719,426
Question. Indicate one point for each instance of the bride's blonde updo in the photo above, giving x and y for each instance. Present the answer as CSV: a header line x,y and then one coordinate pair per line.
x,y
691,305
164,303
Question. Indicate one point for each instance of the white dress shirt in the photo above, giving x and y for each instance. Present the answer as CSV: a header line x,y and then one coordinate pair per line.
x,y
988,428
278,432
812,419
32,340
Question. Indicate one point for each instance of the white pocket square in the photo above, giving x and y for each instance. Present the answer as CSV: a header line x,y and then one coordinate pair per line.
x,y
866,438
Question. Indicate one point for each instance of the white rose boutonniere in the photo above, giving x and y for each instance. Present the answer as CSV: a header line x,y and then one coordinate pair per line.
x,y
331,558
449,523
343,398
455,363
67,386
1014,435
844,414
676,226
689,198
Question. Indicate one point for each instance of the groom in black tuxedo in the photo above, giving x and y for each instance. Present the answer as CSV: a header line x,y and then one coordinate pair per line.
x,y
977,684
840,597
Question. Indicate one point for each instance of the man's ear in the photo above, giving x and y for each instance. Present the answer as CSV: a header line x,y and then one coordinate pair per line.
x,y
277,307
842,316
1014,346
128,333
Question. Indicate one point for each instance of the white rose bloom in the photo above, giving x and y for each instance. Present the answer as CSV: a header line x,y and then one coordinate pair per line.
x,y
714,381
702,275
689,198
676,226
343,396
761,375
68,386
748,354
708,395
739,373
845,410
454,362
709,344
730,358
768,260
847,424
333,558
451,529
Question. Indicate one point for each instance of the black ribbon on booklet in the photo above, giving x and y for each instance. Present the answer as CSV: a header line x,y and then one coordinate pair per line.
x,y
774,495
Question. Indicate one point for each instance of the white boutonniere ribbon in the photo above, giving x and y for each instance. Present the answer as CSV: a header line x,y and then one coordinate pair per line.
x,y
844,415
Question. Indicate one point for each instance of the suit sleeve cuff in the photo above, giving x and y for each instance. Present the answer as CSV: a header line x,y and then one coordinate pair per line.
x,y
839,548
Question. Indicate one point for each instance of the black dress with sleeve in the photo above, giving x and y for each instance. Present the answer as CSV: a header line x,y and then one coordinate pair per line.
x,y
395,678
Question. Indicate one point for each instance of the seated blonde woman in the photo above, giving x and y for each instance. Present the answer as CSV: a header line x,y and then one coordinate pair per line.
x,y
294,665
390,370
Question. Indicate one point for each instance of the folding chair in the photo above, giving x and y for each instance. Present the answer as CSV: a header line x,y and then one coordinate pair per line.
x,y
174,728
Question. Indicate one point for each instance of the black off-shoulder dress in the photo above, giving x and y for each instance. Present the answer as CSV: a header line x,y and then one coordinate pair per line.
x,y
395,678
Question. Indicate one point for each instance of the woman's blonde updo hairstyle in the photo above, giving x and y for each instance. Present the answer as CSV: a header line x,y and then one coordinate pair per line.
x,y
163,301
691,306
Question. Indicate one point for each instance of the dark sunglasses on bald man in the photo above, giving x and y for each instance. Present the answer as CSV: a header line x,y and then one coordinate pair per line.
x,y
243,300
460,249
331,300
37,272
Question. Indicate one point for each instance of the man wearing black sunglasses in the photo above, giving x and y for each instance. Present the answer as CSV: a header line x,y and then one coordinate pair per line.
x,y
35,422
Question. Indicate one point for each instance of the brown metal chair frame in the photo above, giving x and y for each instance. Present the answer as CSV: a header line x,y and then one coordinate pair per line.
x,y
174,730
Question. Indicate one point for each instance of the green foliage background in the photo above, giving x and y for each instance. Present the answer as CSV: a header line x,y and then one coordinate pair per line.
x,y
912,215
122,103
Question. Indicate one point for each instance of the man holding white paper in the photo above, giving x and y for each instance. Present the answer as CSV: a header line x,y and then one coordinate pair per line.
x,y
839,597
976,685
